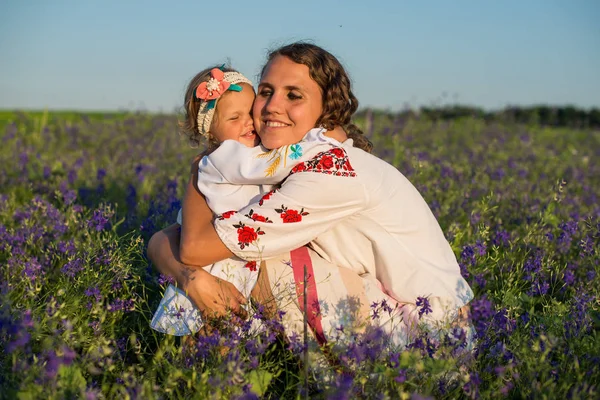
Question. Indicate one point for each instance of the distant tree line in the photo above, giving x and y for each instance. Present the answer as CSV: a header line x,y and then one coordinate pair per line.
x,y
565,116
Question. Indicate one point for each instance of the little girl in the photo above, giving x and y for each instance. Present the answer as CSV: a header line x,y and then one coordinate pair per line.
x,y
219,105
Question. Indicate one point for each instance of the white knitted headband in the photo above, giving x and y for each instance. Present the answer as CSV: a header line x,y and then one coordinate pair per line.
x,y
209,92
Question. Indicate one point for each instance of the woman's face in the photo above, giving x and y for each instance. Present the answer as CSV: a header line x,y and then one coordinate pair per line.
x,y
288,103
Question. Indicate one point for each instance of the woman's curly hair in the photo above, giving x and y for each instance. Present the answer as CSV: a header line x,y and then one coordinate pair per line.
x,y
188,126
339,103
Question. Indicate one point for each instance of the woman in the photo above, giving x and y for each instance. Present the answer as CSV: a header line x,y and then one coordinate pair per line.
x,y
373,239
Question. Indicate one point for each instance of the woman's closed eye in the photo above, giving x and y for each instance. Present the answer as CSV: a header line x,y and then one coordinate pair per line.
x,y
265,92
294,96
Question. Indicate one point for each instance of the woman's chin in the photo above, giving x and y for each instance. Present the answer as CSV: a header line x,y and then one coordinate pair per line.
x,y
272,141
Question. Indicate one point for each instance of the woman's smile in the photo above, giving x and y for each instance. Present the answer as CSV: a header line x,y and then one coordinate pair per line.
x,y
288,103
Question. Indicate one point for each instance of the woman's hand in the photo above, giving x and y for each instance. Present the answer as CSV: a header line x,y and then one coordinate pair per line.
x,y
215,297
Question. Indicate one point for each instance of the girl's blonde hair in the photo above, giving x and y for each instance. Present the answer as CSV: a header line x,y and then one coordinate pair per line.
x,y
188,126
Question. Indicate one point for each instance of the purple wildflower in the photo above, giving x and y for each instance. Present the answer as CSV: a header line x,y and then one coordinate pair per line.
x,y
131,198
67,248
20,339
46,172
103,258
93,292
569,277
248,395
343,388
100,174
539,288
471,388
424,343
121,305
401,377
480,280
480,247
69,196
424,306
165,279
99,221
481,313
92,394
532,267
139,172
33,269
95,325
23,160
72,267
72,176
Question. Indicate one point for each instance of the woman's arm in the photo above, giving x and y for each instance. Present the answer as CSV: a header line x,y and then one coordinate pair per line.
x,y
315,197
199,243
211,295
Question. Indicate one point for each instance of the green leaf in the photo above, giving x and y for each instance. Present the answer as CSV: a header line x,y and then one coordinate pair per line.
x,y
260,381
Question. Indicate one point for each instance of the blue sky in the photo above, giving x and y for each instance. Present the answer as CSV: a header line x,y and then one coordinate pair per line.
x,y
112,55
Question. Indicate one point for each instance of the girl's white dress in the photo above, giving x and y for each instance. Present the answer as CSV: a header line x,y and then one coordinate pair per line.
x,y
241,180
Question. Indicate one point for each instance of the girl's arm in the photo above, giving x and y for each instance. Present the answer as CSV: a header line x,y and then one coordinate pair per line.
x,y
197,231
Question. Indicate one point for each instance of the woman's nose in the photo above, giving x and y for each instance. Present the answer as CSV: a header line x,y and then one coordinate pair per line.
x,y
274,104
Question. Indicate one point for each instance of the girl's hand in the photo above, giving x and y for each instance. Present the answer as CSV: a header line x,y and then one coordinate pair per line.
x,y
214,297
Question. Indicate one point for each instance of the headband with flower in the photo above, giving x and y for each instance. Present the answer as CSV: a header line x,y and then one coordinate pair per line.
x,y
209,92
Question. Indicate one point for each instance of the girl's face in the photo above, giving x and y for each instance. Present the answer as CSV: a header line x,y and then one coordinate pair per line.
x,y
288,104
233,117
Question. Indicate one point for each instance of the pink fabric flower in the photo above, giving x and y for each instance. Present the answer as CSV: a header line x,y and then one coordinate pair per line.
x,y
214,88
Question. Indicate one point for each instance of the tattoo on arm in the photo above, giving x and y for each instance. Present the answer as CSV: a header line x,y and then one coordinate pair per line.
x,y
188,273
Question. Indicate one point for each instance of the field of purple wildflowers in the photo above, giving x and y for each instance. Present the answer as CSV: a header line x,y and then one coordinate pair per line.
x,y
81,195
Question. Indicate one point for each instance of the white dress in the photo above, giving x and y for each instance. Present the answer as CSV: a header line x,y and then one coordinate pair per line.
x,y
230,178
372,239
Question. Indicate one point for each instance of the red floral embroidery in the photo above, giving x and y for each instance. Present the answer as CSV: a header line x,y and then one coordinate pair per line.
x,y
251,265
338,152
298,168
266,197
326,162
289,216
332,162
226,215
258,217
247,234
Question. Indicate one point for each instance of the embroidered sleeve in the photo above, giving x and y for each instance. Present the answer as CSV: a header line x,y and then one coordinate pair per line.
x,y
311,200
237,164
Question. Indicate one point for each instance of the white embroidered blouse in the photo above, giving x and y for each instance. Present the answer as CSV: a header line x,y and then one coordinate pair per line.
x,y
356,210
